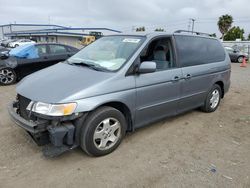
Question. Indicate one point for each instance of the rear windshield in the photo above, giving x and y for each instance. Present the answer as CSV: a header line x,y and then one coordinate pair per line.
x,y
109,52
21,51
199,50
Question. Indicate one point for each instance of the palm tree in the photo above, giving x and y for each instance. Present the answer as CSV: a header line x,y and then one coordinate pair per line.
x,y
224,24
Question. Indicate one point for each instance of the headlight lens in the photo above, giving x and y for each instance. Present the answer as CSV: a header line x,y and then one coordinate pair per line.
x,y
52,109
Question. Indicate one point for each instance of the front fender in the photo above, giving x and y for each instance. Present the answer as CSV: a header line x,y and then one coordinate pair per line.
x,y
126,97
10,62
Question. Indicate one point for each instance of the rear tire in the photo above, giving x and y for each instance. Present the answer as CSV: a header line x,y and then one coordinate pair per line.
x,y
103,131
213,99
7,76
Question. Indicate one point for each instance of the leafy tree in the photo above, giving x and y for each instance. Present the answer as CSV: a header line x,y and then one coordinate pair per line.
x,y
224,24
140,29
248,38
234,33
159,29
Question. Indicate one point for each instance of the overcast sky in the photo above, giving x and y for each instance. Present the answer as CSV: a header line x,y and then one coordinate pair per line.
x,y
126,14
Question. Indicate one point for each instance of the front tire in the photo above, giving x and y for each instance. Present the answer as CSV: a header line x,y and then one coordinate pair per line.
x,y
7,76
103,131
213,99
240,59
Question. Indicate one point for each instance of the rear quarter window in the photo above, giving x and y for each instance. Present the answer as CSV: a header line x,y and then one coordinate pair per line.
x,y
57,49
198,50
71,49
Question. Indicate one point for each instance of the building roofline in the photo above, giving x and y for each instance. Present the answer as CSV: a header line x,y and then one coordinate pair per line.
x,y
63,27
53,25
44,33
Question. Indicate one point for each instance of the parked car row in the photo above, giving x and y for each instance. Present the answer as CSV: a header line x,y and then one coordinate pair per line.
x,y
13,43
236,55
26,59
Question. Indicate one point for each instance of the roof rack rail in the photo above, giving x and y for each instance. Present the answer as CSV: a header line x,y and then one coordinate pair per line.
x,y
193,32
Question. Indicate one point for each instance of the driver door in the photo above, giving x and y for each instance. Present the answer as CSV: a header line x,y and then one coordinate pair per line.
x,y
157,93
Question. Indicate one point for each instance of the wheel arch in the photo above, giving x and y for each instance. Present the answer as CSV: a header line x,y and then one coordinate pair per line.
x,y
221,84
124,109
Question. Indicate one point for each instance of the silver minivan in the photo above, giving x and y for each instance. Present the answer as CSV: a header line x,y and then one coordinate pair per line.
x,y
117,84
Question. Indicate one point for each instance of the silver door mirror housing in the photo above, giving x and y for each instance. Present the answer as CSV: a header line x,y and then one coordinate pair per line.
x,y
147,67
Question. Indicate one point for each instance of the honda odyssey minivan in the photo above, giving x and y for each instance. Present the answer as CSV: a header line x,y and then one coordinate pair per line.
x,y
117,84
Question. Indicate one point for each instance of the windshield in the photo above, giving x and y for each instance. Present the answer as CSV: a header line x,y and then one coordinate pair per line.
x,y
109,52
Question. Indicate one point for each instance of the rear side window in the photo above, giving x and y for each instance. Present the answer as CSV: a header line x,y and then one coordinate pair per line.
x,y
41,50
71,49
57,49
197,50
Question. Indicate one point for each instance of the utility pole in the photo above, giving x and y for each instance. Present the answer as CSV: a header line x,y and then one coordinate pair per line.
x,y
193,20
189,24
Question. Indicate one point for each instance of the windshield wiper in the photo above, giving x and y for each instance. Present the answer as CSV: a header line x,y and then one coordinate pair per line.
x,y
90,65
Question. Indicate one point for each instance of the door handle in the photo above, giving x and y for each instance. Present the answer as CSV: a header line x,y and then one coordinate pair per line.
x,y
45,57
176,79
188,76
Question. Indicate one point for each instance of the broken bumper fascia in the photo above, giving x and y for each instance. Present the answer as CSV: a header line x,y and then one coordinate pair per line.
x,y
30,126
64,135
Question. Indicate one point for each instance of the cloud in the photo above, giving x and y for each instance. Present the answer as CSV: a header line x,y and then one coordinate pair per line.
x,y
120,14
188,11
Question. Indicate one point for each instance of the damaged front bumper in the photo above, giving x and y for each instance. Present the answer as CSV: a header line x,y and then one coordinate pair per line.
x,y
58,136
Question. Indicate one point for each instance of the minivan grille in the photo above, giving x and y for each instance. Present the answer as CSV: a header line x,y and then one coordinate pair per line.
x,y
23,103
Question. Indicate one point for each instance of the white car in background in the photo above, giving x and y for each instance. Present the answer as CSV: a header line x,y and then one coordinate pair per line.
x,y
20,42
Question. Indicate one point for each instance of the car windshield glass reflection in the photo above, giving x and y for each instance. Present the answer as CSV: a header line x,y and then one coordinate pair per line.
x,y
108,52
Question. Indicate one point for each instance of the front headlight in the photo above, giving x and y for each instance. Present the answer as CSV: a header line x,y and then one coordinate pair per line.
x,y
52,109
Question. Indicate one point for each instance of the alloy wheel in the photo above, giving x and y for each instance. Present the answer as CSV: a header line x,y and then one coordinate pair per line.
x,y
240,59
214,101
7,76
107,133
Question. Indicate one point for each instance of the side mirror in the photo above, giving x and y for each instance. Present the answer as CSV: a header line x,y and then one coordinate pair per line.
x,y
147,67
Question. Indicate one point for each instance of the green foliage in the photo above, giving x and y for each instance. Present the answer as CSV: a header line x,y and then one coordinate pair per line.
x,y
159,29
140,29
224,24
248,38
234,33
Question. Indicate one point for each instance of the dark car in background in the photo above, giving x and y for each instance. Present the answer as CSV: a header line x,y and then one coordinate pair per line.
x,y
26,59
236,55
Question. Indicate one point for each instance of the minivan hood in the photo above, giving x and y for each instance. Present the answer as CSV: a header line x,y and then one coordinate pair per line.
x,y
63,83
